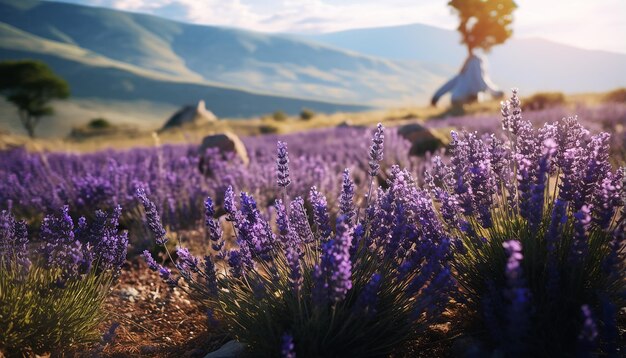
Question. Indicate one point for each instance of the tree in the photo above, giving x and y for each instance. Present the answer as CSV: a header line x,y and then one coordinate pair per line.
x,y
30,85
484,23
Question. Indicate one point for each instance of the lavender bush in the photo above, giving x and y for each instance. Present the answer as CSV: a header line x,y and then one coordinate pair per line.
x,y
362,286
51,298
540,228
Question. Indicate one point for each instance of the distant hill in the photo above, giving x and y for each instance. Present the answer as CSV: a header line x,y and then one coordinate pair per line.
x,y
272,64
532,64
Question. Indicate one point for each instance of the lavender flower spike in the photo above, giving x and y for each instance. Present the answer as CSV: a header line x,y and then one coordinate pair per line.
x,y
152,265
376,150
229,204
518,296
346,199
287,349
320,212
589,331
336,262
369,296
295,274
282,165
213,226
153,218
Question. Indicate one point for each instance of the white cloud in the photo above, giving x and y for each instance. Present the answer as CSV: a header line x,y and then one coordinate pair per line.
x,y
584,23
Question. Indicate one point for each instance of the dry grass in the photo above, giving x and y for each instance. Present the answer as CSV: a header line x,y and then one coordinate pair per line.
x,y
263,125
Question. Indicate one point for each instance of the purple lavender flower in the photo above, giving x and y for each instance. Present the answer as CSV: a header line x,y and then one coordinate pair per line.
x,y
607,200
299,221
336,263
109,336
229,203
512,114
612,264
513,271
153,218
166,275
109,245
58,229
535,204
320,212
210,277
254,232
152,265
480,180
213,226
595,167
282,222
346,199
376,150
288,347
579,247
588,333
236,263
518,296
295,274
60,249
366,302
460,166
282,165
505,112
319,291
186,261
13,241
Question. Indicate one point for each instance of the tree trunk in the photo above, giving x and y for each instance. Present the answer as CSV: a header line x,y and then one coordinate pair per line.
x,y
28,122
31,131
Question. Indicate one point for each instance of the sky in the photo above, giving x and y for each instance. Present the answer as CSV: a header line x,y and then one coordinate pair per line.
x,y
591,24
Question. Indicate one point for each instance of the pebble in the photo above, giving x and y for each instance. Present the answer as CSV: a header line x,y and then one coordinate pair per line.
x,y
130,293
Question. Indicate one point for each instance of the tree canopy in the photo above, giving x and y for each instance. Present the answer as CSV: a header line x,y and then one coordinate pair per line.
x,y
484,23
30,85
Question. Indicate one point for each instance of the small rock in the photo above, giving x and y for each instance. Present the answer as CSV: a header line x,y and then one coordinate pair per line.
x,y
225,143
421,138
130,293
231,349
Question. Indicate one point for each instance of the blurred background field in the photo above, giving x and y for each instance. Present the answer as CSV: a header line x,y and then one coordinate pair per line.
x,y
121,135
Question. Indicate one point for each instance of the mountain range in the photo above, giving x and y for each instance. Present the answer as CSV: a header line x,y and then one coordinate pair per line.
x,y
118,59
532,64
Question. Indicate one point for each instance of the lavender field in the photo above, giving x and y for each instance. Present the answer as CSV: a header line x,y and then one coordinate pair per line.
x,y
508,241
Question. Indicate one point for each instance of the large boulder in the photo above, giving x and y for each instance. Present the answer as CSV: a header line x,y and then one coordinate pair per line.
x,y
421,138
190,115
225,143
